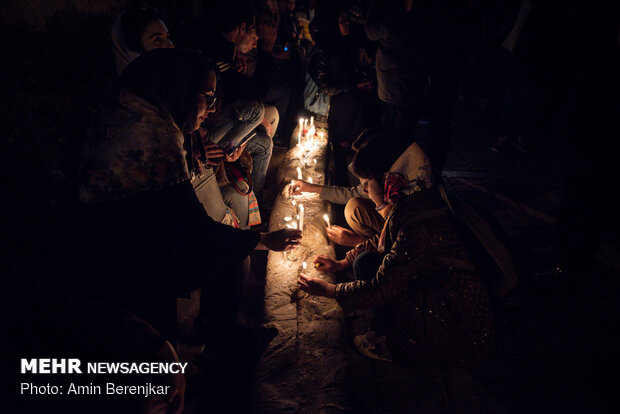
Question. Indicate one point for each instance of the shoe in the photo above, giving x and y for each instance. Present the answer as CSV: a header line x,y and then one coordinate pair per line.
x,y
372,346
499,144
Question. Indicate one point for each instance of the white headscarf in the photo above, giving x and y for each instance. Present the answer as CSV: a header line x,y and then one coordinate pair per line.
x,y
123,55
410,173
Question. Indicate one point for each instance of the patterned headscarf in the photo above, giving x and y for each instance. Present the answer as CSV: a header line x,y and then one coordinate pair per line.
x,y
170,79
410,173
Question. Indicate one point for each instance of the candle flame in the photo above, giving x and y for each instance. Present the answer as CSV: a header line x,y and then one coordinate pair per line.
x,y
304,265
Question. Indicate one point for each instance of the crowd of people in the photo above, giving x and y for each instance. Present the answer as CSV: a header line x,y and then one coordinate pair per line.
x,y
172,173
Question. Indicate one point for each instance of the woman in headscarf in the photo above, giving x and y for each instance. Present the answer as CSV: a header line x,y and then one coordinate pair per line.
x,y
135,32
147,236
439,310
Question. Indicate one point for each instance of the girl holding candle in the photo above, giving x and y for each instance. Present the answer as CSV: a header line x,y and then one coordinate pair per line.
x,y
416,274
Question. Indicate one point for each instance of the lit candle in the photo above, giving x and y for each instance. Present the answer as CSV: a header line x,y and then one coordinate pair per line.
x,y
311,121
310,180
326,218
299,136
301,124
290,226
287,219
305,124
304,265
299,176
314,161
301,217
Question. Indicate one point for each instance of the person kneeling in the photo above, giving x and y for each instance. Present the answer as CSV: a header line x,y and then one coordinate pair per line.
x,y
439,310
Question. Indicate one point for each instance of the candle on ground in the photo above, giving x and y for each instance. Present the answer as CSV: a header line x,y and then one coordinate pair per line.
x,y
311,121
304,265
301,217
310,180
299,176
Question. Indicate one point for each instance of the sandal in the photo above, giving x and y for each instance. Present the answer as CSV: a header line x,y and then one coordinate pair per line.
x,y
372,346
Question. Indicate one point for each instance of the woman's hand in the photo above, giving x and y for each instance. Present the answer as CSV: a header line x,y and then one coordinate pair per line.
x,y
344,237
327,264
213,153
300,186
279,240
235,155
316,287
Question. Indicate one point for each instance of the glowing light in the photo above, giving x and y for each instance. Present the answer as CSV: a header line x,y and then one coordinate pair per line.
x,y
304,265
299,176
326,218
287,219
301,217
310,180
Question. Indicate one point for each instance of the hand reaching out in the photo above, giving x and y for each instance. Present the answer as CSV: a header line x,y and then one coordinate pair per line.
x,y
344,237
279,240
316,287
301,186
328,264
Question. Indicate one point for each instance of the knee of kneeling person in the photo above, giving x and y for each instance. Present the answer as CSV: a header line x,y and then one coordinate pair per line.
x,y
352,210
359,215
251,111
271,114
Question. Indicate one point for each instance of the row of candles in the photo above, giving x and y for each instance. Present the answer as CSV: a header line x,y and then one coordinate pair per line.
x,y
308,131
291,224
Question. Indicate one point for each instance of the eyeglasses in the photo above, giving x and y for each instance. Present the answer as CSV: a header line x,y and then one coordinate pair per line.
x,y
210,98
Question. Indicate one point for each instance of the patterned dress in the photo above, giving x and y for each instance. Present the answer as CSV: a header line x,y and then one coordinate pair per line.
x,y
441,310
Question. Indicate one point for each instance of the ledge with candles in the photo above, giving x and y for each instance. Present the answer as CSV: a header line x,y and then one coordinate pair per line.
x,y
310,329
